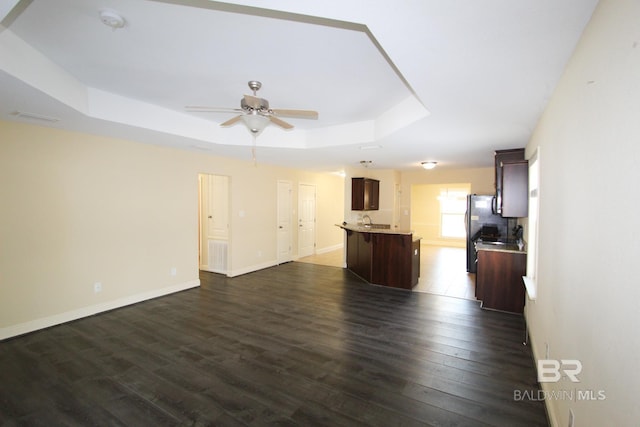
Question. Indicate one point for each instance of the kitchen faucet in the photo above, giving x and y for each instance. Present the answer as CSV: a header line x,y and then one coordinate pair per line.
x,y
367,217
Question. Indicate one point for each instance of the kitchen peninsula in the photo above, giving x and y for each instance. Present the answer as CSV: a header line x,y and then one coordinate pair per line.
x,y
383,256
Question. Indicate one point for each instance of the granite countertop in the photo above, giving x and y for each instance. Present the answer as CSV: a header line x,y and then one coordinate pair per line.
x,y
499,247
376,228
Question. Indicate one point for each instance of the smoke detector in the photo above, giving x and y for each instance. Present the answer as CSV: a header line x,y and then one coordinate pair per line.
x,y
112,19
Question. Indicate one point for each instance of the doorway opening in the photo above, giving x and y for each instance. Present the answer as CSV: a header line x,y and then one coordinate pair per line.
x,y
437,215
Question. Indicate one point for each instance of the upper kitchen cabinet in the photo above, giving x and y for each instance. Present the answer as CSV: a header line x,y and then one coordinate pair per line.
x,y
365,194
512,183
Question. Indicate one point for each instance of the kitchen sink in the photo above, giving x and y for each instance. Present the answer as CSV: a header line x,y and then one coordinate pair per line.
x,y
378,226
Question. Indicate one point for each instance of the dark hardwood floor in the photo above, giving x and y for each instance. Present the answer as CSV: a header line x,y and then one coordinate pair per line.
x,y
297,344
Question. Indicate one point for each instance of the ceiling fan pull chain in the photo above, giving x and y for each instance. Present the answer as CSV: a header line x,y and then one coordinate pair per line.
x,y
253,151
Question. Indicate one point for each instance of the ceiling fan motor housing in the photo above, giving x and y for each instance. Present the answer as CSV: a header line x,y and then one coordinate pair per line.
x,y
257,104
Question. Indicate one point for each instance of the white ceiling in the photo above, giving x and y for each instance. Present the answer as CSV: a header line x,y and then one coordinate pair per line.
x,y
416,80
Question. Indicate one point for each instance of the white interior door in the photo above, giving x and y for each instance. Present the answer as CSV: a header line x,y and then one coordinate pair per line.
x,y
285,221
214,223
306,220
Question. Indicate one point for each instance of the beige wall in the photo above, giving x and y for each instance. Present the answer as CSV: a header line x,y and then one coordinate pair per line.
x,y
481,180
388,179
588,303
79,209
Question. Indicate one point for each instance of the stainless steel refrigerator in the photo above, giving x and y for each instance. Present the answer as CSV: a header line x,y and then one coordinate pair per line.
x,y
481,222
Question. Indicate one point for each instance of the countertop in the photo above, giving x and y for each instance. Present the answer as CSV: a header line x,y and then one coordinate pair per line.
x,y
499,247
376,228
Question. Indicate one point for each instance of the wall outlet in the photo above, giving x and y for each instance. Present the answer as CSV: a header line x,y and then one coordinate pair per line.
x,y
97,287
174,271
571,418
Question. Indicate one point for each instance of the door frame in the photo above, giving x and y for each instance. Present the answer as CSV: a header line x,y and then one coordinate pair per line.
x,y
279,208
315,214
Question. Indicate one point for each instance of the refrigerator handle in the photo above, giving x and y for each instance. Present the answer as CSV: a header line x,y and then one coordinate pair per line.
x,y
494,205
466,222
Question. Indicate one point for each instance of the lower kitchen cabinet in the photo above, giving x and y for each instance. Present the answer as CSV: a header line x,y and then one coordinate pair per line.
x,y
359,254
393,261
384,258
499,282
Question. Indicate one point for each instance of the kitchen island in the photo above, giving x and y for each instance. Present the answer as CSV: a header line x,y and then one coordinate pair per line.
x,y
383,256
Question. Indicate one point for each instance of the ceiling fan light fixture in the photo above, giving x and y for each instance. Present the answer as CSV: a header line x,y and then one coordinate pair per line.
x,y
255,123
429,165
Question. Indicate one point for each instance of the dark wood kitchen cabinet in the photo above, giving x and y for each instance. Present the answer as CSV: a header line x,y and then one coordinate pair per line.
x,y
384,258
512,183
365,194
394,260
359,254
499,282
515,189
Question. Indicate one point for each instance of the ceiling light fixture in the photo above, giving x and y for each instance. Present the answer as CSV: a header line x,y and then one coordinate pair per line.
x,y
429,165
365,163
112,19
255,122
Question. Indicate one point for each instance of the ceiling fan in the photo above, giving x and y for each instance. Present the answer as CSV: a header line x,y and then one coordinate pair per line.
x,y
255,112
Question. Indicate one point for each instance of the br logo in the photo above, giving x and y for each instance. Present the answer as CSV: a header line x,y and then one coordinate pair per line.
x,y
550,370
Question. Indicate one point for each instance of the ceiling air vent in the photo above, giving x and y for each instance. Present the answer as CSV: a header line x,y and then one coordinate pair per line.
x,y
34,116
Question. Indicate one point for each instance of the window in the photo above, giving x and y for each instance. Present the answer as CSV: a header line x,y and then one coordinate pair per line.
x,y
453,204
530,280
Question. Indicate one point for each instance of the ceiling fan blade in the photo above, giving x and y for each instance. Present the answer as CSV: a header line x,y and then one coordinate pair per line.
x,y
231,121
203,109
300,114
281,123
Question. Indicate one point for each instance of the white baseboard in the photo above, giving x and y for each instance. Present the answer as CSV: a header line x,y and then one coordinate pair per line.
x,y
551,415
57,319
322,251
329,249
252,268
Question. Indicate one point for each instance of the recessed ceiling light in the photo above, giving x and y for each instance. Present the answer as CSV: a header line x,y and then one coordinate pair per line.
x,y
429,165
112,19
